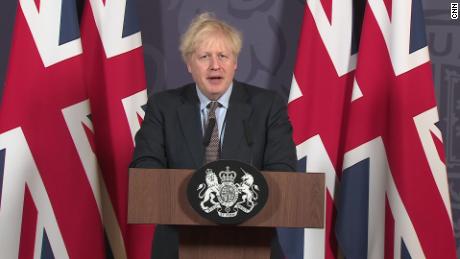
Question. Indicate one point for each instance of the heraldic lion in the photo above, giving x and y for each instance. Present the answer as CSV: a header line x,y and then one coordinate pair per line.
x,y
210,192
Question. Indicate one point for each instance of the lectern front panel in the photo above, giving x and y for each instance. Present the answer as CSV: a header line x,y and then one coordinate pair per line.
x,y
158,196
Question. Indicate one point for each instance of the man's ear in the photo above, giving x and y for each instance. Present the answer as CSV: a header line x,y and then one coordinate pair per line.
x,y
189,68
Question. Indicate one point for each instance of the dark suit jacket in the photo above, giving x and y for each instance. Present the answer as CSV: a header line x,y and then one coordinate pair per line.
x,y
257,131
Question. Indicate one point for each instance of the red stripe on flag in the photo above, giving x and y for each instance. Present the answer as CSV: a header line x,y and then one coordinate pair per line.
x,y
388,6
28,227
90,137
327,6
37,3
139,119
331,241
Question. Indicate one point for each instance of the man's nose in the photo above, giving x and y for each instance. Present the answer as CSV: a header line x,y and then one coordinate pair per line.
x,y
214,63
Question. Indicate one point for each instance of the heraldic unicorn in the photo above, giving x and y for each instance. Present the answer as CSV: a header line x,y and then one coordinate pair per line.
x,y
225,196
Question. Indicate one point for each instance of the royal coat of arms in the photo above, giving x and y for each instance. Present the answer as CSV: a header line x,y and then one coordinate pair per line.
x,y
227,191
227,196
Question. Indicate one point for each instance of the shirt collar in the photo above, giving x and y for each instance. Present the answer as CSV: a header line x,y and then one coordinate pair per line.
x,y
223,100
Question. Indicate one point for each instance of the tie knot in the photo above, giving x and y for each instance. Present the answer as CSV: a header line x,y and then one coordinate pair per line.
x,y
212,106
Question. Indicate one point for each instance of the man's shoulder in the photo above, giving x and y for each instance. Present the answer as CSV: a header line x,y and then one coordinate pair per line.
x,y
252,89
255,92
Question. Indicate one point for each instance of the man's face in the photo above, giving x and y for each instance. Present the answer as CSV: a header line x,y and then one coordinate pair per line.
x,y
213,66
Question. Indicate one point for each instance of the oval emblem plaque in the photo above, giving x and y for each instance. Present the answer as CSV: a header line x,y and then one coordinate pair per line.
x,y
227,191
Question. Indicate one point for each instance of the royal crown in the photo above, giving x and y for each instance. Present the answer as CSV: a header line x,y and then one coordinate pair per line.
x,y
227,175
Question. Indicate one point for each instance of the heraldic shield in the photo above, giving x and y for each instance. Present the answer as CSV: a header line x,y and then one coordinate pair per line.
x,y
227,191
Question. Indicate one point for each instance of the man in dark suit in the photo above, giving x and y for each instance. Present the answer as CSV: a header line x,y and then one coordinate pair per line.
x,y
250,123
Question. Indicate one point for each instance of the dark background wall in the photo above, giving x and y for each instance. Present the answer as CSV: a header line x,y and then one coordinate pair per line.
x,y
7,15
444,42
271,30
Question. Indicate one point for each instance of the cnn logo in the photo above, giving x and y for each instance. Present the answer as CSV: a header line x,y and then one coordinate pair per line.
x,y
454,11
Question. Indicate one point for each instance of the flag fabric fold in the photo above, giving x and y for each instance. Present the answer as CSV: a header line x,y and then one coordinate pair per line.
x,y
393,161
363,110
320,93
114,75
71,104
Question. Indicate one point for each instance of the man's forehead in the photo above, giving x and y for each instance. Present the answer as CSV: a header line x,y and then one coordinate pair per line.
x,y
214,44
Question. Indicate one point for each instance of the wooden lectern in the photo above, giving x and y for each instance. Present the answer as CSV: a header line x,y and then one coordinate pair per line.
x,y
158,196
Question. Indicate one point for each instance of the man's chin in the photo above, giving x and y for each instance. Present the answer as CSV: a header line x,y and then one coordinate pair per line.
x,y
216,83
216,94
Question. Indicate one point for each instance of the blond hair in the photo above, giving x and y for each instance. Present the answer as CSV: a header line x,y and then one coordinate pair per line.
x,y
204,25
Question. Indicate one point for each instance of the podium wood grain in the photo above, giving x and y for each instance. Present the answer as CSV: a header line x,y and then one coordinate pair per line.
x,y
295,199
158,196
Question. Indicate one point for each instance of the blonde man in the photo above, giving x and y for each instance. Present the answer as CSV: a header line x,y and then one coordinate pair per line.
x,y
251,124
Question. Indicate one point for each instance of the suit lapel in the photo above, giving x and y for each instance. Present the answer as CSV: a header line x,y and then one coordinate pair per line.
x,y
238,112
190,121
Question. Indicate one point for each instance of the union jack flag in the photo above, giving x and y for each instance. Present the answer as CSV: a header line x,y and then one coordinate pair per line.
x,y
71,105
363,110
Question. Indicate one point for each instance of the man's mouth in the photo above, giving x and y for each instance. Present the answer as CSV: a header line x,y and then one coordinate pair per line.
x,y
215,79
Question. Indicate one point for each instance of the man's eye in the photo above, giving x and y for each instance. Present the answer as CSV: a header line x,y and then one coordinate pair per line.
x,y
222,56
203,56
